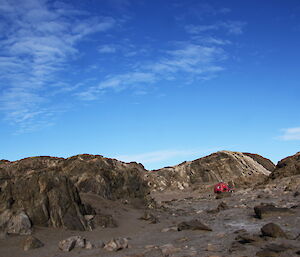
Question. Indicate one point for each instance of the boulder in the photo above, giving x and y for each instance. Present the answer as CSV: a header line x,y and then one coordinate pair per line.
x,y
19,224
31,242
15,223
267,210
193,225
273,230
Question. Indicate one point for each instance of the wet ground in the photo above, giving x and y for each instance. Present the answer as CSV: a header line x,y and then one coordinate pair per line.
x,y
146,239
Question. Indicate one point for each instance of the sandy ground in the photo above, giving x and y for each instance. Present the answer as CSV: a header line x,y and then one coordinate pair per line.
x,y
175,207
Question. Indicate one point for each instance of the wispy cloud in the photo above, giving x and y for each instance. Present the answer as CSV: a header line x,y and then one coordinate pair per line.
x,y
231,27
290,134
157,156
107,49
194,60
38,39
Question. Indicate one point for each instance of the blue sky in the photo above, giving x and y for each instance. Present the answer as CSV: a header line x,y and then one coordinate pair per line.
x,y
157,82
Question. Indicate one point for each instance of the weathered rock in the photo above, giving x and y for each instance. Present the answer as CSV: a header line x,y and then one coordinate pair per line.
x,y
116,244
19,224
193,225
239,168
267,210
109,178
287,167
68,244
31,242
47,198
273,230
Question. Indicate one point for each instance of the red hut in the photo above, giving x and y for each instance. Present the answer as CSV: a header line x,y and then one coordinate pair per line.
x,y
221,187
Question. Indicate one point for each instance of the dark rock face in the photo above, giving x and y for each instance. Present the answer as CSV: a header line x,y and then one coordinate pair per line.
x,y
49,199
239,168
109,178
287,167
47,188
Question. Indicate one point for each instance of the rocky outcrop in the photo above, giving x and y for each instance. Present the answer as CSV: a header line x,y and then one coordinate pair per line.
x,y
109,178
286,175
239,168
47,198
266,163
287,167
47,188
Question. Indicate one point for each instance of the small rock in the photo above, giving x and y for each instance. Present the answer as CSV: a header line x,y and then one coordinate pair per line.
x,y
193,225
68,244
116,244
272,230
169,229
31,242
210,247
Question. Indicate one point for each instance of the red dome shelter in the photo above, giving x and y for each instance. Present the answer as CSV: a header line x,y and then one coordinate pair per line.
x,y
221,187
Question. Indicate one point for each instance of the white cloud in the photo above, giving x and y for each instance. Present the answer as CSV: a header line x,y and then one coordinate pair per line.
x,y
290,134
39,39
118,83
157,156
107,49
231,27
168,155
194,60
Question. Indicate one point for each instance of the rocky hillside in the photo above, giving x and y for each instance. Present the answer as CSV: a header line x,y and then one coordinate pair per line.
x,y
286,174
289,166
239,168
45,190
